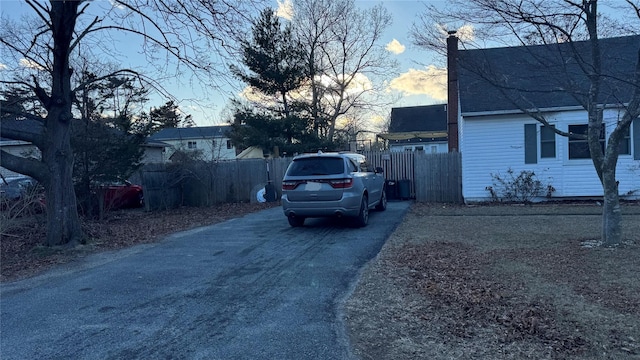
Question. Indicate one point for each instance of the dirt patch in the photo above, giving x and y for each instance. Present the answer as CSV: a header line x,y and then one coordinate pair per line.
x,y
500,283
23,254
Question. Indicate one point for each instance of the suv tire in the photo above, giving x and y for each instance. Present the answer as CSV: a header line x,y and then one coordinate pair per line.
x,y
363,216
382,205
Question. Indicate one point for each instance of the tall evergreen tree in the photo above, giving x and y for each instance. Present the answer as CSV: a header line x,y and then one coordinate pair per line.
x,y
274,58
168,116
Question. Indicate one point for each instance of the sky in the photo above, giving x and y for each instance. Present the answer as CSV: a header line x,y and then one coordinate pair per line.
x,y
420,79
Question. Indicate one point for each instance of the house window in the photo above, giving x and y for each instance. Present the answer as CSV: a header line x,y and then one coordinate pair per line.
x,y
434,149
419,148
547,142
579,148
229,144
625,143
192,145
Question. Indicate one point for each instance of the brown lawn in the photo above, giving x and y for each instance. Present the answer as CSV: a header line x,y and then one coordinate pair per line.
x,y
500,282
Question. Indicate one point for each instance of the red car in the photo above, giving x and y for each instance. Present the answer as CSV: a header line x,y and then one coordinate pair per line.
x,y
120,194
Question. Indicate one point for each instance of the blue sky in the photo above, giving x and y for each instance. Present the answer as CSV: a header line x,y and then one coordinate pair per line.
x,y
419,81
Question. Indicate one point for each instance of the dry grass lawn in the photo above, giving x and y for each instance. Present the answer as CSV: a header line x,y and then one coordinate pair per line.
x,y
500,282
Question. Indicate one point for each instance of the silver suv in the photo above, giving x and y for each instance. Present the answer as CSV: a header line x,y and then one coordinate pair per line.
x,y
332,184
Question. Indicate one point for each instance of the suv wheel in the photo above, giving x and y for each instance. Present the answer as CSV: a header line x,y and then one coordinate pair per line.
x,y
295,221
382,205
363,216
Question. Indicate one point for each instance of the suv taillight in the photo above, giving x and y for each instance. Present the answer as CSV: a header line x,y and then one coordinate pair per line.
x,y
289,185
341,183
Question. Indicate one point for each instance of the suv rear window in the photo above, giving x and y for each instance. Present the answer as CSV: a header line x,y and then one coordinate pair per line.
x,y
316,166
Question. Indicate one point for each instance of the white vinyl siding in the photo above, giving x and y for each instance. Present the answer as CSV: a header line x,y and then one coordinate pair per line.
x,y
212,149
493,144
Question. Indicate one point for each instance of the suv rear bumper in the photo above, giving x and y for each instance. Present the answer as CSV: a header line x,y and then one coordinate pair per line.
x,y
347,206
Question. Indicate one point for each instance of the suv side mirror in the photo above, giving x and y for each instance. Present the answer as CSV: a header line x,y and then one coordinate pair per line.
x,y
379,170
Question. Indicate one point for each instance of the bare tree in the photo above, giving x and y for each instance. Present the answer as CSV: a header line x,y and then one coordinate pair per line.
x,y
189,35
573,29
344,56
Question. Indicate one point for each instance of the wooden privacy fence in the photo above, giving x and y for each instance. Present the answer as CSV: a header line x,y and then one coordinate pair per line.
x,y
430,177
438,177
420,176
207,183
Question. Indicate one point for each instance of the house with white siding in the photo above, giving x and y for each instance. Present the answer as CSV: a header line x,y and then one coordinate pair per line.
x,y
498,89
204,143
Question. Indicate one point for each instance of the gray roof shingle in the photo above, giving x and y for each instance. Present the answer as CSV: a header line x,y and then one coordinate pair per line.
x,y
543,76
418,118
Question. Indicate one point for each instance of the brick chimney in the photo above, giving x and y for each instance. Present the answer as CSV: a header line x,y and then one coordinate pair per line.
x,y
452,91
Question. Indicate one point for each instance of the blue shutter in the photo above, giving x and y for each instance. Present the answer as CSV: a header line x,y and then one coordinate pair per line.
x,y
636,139
530,144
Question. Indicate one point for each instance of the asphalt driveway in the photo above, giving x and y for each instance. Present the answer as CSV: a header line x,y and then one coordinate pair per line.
x,y
249,288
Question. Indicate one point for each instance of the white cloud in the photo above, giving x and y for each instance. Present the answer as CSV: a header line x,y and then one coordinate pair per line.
x,y
465,32
431,81
117,5
3,66
285,9
359,84
395,47
251,94
30,64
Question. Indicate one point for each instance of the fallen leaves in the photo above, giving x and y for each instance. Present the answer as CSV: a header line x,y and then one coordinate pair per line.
x,y
22,250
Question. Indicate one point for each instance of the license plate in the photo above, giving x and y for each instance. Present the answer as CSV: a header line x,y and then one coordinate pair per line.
x,y
313,186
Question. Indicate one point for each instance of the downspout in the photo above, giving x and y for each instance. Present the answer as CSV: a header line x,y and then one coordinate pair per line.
x,y
452,91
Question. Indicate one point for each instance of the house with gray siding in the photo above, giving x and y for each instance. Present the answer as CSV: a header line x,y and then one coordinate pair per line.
x,y
498,89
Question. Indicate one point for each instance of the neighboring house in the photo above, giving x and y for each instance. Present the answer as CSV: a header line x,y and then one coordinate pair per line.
x,y
154,151
18,148
252,152
205,143
418,128
495,135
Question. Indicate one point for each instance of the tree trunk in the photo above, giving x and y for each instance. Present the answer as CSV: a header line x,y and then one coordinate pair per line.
x,y
611,213
63,222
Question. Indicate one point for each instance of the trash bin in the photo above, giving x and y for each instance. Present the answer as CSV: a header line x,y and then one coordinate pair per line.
x,y
404,189
392,190
270,192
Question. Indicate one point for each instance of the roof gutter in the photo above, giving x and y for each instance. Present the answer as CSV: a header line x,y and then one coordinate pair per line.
x,y
517,111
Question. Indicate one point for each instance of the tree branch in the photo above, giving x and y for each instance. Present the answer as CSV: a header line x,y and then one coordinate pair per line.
x,y
25,166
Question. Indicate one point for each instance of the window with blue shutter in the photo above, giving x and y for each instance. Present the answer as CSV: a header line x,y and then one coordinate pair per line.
x,y
547,141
